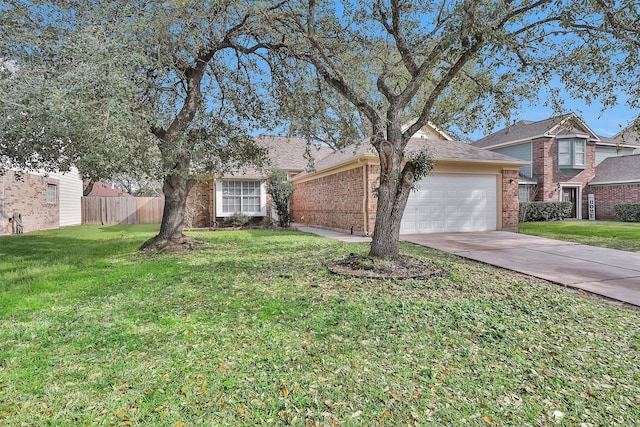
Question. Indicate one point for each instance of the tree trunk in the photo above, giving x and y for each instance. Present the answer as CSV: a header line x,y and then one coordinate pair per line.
x,y
395,186
176,188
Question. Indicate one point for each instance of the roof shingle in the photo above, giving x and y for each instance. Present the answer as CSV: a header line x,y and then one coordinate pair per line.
x,y
286,153
438,149
619,169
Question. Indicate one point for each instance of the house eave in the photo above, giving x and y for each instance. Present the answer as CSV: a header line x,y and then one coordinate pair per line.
x,y
620,145
507,164
617,182
516,142
352,162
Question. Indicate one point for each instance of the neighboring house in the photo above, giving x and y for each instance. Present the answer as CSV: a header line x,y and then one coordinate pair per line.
x,y
470,189
245,191
103,189
44,201
563,156
629,135
617,181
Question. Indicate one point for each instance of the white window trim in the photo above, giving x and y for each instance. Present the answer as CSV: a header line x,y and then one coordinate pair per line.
x,y
263,199
574,140
55,195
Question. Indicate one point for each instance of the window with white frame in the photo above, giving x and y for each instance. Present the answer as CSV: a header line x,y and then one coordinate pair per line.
x,y
52,194
247,197
525,192
572,153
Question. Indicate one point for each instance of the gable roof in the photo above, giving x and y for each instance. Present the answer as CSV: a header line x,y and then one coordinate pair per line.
x,y
287,153
526,130
438,149
618,170
629,135
427,131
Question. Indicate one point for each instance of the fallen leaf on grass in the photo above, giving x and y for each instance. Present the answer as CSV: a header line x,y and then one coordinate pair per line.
x,y
487,419
284,390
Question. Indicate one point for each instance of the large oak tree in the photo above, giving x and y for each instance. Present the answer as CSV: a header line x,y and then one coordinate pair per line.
x,y
465,63
120,86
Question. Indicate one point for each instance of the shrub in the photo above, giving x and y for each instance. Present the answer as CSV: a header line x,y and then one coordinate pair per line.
x,y
237,219
280,190
544,211
628,212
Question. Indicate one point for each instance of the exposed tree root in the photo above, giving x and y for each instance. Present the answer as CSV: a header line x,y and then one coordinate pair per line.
x,y
171,245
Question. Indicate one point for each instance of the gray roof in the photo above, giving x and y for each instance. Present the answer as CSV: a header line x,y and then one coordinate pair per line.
x,y
629,135
525,130
286,153
522,130
439,150
618,169
525,179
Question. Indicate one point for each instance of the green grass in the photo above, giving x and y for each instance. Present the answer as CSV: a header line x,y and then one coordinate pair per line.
x,y
251,329
608,234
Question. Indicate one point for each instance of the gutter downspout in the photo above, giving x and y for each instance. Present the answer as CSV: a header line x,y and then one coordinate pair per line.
x,y
365,199
212,202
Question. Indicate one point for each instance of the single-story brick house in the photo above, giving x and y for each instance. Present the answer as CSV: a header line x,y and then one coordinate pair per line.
x,y
44,201
470,189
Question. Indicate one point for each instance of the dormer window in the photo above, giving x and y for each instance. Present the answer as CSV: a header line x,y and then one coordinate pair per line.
x,y
572,153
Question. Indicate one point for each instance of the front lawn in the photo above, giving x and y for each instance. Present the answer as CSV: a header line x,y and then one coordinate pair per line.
x,y
251,329
608,234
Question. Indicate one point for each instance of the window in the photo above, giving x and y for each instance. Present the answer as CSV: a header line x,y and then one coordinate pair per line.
x,y
246,197
52,196
572,153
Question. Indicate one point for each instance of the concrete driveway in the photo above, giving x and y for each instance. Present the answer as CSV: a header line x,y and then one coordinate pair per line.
x,y
608,272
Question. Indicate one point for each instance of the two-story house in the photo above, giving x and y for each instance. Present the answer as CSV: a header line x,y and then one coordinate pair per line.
x,y
563,155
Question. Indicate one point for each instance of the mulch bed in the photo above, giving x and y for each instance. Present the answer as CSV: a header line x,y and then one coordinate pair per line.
x,y
403,267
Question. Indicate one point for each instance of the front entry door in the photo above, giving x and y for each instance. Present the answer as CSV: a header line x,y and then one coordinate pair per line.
x,y
569,194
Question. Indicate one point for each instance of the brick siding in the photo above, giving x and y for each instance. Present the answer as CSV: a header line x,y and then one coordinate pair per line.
x,y
199,205
607,196
28,196
546,171
510,202
333,201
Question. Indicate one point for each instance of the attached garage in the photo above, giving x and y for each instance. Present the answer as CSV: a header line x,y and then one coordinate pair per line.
x,y
452,203
470,189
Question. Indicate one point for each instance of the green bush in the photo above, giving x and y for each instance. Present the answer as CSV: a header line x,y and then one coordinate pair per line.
x,y
628,212
280,189
544,211
237,219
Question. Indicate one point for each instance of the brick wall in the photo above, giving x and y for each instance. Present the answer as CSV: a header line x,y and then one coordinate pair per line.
x,y
28,196
510,202
199,205
333,201
607,196
546,171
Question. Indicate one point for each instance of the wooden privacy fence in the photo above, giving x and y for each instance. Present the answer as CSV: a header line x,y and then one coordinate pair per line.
x,y
122,210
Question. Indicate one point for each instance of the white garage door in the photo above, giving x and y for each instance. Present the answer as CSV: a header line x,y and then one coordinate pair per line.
x,y
451,203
